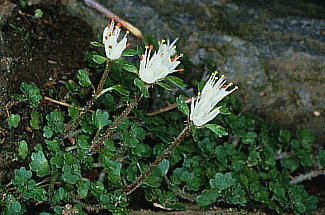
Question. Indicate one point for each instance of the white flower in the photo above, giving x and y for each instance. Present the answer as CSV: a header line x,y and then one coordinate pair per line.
x,y
113,48
160,64
203,109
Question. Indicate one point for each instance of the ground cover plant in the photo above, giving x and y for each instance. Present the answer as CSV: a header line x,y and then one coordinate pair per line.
x,y
107,149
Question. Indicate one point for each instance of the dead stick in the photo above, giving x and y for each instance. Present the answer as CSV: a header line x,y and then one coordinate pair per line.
x,y
134,30
307,176
169,107
63,103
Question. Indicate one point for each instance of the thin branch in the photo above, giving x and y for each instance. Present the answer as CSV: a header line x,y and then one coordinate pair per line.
x,y
63,103
74,124
110,131
307,176
134,185
100,8
169,107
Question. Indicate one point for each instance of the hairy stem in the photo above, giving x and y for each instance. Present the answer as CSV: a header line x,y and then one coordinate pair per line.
x,y
70,127
110,131
134,185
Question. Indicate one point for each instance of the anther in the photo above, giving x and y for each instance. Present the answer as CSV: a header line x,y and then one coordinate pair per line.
x,y
141,57
119,24
163,40
127,32
180,70
110,46
150,47
106,37
146,47
128,45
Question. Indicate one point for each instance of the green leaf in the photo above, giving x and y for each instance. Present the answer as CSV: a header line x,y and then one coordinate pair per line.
x,y
284,136
120,89
13,206
207,197
83,188
130,67
217,129
182,106
164,85
99,59
23,149
238,197
38,13
130,52
71,174
222,181
33,93
73,112
34,120
53,145
305,136
83,77
100,119
39,164
224,111
83,142
249,138
58,195
47,132
21,176
176,80
55,121
97,44
321,157
13,120
142,86
164,166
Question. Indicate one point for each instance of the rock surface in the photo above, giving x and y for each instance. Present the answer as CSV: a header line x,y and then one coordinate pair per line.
x,y
274,52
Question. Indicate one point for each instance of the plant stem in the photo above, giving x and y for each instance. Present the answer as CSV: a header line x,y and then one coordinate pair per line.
x,y
110,131
134,185
74,124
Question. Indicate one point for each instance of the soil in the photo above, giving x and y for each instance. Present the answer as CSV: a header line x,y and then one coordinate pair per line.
x,y
47,50
43,51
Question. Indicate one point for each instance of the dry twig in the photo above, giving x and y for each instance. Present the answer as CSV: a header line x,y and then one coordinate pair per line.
x,y
100,8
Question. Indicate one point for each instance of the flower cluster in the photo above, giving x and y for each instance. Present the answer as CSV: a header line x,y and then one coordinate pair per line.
x,y
113,47
203,109
155,66
160,64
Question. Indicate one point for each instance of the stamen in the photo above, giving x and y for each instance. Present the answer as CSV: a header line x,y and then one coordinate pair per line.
x,y
174,58
146,47
119,24
106,37
141,57
127,32
128,45
163,40
180,70
150,47
110,46
108,25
